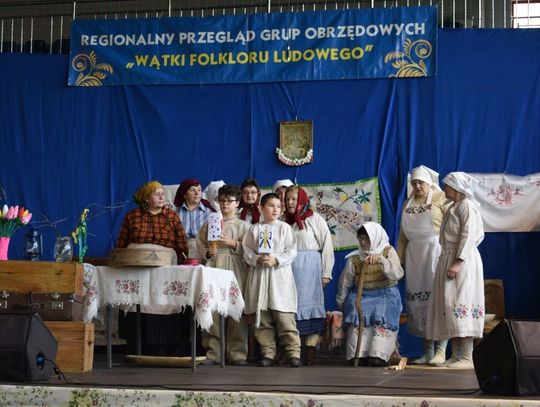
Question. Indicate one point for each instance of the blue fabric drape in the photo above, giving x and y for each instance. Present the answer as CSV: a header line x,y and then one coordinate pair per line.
x,y
62,148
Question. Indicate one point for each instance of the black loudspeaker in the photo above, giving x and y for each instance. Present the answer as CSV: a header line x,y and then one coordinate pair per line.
x,y
27,348
507,361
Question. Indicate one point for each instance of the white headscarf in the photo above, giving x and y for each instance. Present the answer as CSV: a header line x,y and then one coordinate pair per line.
x,y
282,183
210,193
425,174
462,182
377,237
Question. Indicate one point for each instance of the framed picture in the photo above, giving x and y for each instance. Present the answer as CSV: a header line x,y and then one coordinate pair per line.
x,y
295,142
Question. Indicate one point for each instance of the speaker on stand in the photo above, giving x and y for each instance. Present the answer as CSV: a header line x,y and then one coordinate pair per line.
x,y
27,348
507,361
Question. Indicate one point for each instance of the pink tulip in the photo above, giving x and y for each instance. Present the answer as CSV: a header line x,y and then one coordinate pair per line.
x,y
26,219
10,213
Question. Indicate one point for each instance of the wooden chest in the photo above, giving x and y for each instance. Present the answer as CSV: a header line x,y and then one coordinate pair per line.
x,y
52,289
49,306
75,345
41,277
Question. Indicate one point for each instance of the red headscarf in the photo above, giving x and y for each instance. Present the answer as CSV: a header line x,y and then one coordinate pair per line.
x,y
179,198
254,207
302,210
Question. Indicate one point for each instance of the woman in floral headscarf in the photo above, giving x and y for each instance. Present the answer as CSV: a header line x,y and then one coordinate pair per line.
x,y
312,267
378,264
419,250
456,308
154,223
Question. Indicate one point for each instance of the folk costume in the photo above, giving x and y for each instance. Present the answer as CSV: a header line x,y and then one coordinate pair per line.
x,y
270,292
456,309
160,334
228,259
314,260
251,213
381,301
419,250
192,219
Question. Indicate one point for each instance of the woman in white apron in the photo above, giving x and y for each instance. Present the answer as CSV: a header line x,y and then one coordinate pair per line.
x,y
456,309
419,250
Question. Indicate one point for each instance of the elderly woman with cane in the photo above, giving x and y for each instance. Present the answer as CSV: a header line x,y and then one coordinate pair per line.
x,y
371,273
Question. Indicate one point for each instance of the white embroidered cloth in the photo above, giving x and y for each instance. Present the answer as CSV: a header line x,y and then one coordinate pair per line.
x,y
163,290
509,203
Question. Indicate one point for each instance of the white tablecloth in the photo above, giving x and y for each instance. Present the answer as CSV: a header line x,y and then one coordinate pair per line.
x,y
163,290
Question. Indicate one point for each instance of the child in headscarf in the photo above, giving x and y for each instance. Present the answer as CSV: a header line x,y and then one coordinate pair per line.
x,y
312,267
249,203
378,264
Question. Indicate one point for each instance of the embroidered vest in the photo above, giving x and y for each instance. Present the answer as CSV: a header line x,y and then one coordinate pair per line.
x,y
373,276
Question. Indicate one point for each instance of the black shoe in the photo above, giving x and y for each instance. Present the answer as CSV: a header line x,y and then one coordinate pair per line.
x,y
377,362
361,361
266,362
241,362
208,362
295,362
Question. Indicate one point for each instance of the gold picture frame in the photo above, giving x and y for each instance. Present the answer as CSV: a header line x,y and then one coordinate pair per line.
x,y
295,142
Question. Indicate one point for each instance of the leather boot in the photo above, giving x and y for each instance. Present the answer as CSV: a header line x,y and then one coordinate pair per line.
x,y
440,353
464,356
428,353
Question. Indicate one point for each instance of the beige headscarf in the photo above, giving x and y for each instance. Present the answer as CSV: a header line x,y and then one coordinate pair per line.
x,y
425,174
143,193
464,183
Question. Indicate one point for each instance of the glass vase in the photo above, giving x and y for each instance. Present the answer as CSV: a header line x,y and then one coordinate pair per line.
x,y
63,249
33,245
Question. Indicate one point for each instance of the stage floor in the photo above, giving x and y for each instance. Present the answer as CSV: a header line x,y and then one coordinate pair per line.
x,y
330,382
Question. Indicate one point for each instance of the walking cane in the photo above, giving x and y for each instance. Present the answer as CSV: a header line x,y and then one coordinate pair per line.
x,y
359,311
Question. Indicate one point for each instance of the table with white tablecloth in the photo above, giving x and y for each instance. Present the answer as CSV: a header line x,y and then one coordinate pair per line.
x,y
162,290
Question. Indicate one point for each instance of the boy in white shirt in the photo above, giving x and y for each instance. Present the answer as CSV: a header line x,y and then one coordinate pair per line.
x,y
270,290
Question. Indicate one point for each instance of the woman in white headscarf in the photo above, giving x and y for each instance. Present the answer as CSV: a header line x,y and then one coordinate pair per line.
x,y
378,264
456,308
419,250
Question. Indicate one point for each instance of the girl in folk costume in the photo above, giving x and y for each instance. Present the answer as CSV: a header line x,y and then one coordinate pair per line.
x,y
249,204
193,211
456,307
419,250
312,267
279,188
378,264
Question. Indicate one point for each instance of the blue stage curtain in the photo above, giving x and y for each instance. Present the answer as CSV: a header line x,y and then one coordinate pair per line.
x,y
64,148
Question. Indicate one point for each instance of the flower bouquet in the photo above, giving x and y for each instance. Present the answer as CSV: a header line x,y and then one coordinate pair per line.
x,y
10,220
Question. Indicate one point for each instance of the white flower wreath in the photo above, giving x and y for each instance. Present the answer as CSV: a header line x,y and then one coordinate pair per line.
x,y
294,161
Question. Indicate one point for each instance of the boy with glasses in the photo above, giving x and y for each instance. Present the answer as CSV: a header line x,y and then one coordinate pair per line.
x,y
227,255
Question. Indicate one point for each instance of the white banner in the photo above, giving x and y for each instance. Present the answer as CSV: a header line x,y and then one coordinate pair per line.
x,y
509,203
344,206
